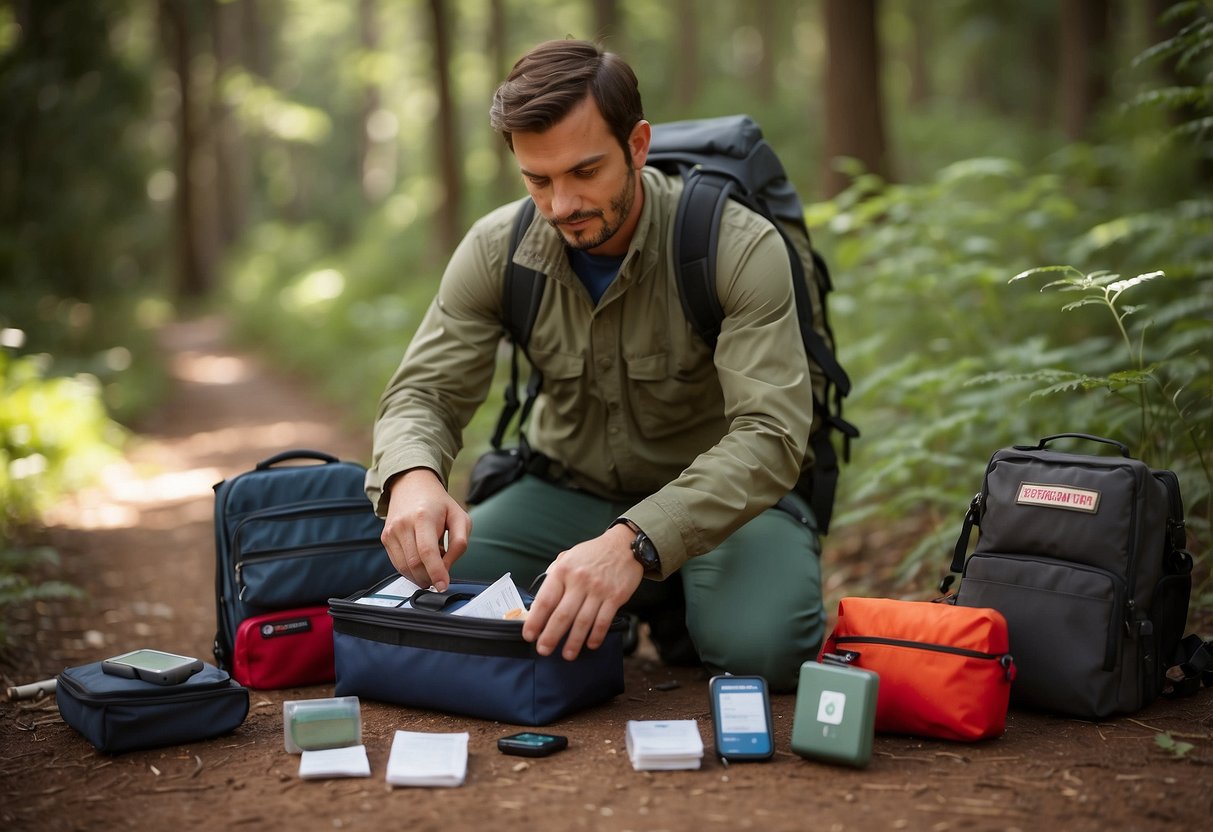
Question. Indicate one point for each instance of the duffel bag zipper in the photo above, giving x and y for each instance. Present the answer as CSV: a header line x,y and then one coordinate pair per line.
x,y
152,697
1004,659
436,623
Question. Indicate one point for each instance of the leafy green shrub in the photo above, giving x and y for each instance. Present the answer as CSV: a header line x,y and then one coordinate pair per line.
x,y
55,436
951,363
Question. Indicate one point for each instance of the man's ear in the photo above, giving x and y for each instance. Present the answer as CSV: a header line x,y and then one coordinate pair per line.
x,y
638,143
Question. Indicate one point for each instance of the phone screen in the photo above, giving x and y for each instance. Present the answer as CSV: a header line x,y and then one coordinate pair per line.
x,y
151,659
742,713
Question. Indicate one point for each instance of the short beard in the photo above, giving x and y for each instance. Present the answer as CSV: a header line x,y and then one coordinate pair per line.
x,y
621,207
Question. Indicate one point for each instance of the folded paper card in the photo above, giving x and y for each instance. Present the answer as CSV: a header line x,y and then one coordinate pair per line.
x,y
426,759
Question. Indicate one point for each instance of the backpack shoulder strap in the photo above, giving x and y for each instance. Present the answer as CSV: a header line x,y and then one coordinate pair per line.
x,y
694,252
702,203
522,288
522,291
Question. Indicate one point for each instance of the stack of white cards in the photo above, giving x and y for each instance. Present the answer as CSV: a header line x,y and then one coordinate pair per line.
x,y
424,759
655,745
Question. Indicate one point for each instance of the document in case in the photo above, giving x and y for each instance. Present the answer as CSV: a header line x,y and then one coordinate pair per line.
x,y
664,744
350,761
426,759
494,601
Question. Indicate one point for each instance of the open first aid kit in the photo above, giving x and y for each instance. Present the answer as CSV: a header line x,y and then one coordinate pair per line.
x,y
416,647
117,714
289,536
945,671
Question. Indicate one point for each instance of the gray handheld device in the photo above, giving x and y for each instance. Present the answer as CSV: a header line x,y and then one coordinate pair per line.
x,y
153,666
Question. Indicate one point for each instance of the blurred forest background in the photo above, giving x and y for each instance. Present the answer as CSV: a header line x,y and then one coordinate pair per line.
x,y
304,168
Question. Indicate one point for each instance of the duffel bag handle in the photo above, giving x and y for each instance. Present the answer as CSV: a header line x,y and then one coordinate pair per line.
x,y
297,453
1122,447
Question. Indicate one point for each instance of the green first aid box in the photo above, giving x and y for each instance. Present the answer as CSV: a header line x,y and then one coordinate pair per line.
x,y
835,713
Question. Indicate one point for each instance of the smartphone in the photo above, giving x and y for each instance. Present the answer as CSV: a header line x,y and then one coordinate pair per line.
x,y
154,666
741,717
530,744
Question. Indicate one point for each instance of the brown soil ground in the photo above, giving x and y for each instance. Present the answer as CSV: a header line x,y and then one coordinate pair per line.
x,y
142,546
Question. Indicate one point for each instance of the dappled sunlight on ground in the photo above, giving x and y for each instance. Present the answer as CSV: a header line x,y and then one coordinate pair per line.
x,y
253,438
200,368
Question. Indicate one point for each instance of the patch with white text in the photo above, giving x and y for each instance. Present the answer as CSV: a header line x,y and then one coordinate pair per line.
x,y
285,627
1057,496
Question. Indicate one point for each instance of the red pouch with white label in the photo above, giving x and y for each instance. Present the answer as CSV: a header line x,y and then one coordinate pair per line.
x,y
285,649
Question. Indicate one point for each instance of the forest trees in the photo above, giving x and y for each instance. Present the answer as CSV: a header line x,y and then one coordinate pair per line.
x,y
308,164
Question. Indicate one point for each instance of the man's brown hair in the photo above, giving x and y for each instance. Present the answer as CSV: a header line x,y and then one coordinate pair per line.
x,y
548,81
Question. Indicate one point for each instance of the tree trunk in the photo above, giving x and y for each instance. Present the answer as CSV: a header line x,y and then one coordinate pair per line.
x,y
376,139
854,103
450,211
921,19
505,185
192,279
767,23
687,72
607,26
1083,64
231,156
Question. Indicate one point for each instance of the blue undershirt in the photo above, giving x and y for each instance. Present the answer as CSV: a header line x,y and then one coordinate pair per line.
x,y
595,271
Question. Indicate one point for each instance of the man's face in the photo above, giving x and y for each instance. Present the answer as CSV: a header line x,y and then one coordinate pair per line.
x,y
582,182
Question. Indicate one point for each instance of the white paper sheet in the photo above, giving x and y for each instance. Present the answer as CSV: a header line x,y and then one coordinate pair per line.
x,y
494,601
395,594
350,761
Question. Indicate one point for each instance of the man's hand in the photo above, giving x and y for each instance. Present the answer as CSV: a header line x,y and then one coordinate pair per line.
x,y
419,513
584,588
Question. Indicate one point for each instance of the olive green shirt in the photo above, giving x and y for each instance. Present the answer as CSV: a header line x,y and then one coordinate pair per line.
x,y
634,403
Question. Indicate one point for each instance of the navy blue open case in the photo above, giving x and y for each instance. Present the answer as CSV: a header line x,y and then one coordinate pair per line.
x,y
428,658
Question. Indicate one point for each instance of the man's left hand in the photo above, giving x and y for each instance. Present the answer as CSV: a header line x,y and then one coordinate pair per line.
x,y
584,588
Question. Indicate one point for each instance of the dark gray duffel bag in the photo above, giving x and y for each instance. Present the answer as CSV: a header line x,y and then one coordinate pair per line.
x,y
1085,557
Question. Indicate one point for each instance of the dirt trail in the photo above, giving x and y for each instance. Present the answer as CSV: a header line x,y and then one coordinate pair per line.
x,y
142,546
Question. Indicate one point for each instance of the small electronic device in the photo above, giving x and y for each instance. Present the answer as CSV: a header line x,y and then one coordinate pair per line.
x,y
154,666
530,744
835,713
741,717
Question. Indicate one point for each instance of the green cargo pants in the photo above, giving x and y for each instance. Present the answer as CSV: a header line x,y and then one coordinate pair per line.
x,y
751,606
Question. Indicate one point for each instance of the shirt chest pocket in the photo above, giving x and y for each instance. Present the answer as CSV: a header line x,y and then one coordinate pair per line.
x,y
668,399
563,381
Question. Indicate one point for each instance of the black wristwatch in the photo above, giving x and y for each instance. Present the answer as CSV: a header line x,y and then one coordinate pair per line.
x,y
642,548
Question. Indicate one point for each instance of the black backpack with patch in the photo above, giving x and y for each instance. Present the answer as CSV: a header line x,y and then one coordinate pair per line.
x,y
718,159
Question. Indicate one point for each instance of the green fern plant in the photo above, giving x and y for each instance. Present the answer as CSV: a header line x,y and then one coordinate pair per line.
x,y
1166,392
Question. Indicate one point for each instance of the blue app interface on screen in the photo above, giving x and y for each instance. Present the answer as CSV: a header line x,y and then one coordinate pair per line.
x,y
742,718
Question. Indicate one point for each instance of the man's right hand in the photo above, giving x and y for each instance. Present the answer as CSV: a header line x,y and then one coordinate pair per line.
x,y
419,513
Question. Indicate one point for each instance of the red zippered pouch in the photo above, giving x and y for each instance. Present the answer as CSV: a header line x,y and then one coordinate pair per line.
x,y
284,649
945,671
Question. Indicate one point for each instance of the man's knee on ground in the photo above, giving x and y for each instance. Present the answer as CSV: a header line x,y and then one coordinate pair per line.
x,y
775,655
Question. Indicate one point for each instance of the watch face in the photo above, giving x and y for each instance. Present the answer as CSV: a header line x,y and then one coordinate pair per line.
x,y
645,552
